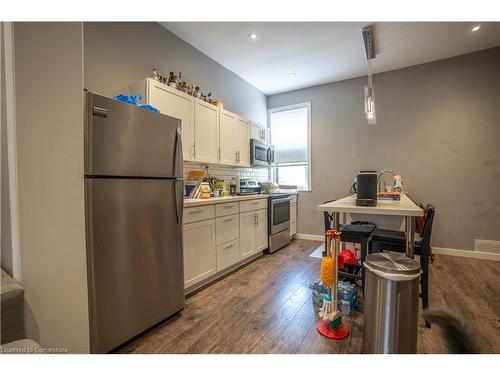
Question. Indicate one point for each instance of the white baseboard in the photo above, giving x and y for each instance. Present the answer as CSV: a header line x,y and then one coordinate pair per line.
x,y
466,253
435,250
310,237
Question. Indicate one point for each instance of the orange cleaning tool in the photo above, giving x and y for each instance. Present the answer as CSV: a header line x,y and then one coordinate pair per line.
x,y
327,271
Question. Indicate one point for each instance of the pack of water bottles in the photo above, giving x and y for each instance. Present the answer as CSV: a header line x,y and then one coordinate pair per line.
x,y
347,296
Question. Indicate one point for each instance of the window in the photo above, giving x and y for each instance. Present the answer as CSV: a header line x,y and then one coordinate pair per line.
x,y
291,136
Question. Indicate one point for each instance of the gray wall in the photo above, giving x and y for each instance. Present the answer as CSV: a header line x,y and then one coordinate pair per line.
x,y
6,239
117,54
438,125
49,125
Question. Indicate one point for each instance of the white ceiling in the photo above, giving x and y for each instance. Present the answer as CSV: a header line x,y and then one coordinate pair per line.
x,y
324,52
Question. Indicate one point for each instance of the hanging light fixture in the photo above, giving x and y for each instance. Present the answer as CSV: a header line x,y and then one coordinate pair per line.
x,y
369,41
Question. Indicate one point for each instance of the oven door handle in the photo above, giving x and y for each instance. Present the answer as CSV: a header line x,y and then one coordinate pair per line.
x,y
280,200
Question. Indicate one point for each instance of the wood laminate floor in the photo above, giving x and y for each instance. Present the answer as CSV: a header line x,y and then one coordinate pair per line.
x,y
265,307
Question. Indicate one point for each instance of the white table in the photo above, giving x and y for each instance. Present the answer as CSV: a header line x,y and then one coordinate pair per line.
x,y
405,208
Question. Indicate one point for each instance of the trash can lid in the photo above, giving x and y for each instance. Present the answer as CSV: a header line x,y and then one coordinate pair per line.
x,y
393,263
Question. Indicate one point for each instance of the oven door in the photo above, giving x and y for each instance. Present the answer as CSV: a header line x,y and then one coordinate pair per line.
x,y
261,153
280,215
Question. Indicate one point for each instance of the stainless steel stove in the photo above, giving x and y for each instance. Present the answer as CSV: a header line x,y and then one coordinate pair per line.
x,y
279,221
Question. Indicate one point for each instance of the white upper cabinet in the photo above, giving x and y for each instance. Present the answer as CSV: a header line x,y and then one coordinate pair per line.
x,y
260,132
171,102
227,138
209,134
206,135
242,141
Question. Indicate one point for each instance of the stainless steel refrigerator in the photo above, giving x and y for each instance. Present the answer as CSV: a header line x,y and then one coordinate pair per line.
x,y
134,202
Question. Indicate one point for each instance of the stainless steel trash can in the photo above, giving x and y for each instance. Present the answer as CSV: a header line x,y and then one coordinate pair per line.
x,y
391,303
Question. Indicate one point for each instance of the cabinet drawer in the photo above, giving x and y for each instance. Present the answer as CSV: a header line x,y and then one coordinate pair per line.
x,y
293,228
198,213
227,228
256,204
293,198
228,254
224,209
293,212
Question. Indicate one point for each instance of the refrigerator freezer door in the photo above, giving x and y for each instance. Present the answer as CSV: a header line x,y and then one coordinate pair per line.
x,y
125,140
135,256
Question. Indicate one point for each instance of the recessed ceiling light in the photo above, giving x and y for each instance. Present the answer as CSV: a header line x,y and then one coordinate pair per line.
x,y
292,75
476,28
253,36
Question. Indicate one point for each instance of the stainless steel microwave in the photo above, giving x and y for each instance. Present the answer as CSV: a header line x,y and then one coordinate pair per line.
x,y
261,153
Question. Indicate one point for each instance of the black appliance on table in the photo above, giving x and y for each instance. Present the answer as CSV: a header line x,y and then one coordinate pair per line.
x,y
366,190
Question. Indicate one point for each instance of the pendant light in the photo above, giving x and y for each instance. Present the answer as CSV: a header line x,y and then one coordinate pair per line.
x,y
369,91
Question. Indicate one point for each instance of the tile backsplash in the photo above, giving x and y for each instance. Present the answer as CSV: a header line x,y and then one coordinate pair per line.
x,y
226,172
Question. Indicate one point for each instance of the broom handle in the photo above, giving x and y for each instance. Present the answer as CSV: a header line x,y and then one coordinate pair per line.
x,y
334,286
336,269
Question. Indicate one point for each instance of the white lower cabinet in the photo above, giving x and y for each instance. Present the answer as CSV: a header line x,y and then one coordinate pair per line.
x,y
200,256
253,232
293,219
226,228
218,236
247,234
228,254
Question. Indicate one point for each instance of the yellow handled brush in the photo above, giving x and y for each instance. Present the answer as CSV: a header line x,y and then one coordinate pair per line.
x,y
327,267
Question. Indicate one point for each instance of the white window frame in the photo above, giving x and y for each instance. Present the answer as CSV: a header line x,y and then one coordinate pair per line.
x,y
309,149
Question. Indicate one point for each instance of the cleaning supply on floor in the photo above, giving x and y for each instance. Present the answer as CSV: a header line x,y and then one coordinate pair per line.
x,y
327,271
330,325
318,293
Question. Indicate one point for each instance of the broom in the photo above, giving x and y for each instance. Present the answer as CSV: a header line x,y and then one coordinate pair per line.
x,y
327,270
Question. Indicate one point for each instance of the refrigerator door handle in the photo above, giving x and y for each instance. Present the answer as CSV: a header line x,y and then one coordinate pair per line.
x,y
178,154
178,199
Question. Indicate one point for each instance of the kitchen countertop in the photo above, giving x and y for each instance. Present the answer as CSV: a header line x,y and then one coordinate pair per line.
x,y
190,202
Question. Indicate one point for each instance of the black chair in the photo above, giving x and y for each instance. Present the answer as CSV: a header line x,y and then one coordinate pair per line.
x,y
355,232
393,240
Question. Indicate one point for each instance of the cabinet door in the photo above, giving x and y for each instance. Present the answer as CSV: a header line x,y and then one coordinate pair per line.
x,y
228,254
227,138
178,105
261,238
293,228
200,256
206,132
243,142
256,131
248,221
267,135
226,229
293,211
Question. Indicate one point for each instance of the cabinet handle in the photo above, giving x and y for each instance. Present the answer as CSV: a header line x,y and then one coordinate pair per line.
x,y
229,246
195,211
257,216
227,206
194,150
254,219
229,219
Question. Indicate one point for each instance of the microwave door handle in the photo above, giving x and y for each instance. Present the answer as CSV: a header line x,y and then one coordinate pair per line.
x,y
268,156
